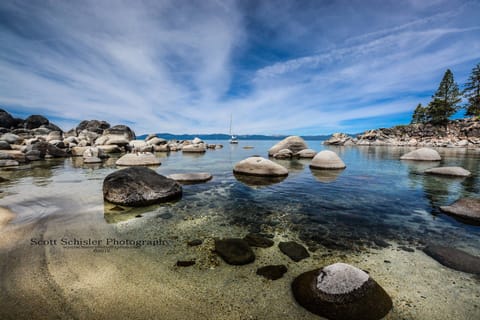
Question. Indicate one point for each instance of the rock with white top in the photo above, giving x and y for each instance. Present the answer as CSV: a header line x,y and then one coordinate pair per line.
x,y
465,208
198,148
306,154
327,159
422,154
449,171
292,143
258,166
138,159
341,291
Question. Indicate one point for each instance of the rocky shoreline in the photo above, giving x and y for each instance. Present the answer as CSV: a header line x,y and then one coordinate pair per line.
x,y
461,133
36,138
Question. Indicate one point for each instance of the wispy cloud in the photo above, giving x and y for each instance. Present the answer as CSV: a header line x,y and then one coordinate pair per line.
x,y
184,66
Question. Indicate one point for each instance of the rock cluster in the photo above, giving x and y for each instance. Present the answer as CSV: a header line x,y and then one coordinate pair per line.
x,y
457,133
37,138
293,146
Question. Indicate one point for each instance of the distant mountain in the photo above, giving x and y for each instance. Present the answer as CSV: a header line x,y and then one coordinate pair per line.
x,y
221,136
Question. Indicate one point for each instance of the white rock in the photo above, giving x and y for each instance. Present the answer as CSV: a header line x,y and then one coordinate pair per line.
x,y
422,154
293,143
140,159
449,171
194,148
260,167
327,159
340,278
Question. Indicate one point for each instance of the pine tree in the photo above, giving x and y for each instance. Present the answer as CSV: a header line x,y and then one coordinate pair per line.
x,y
419,115
472,93
445,100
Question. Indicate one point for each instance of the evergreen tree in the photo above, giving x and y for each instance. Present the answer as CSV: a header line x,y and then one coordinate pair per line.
x,y
419,115
445,100
472,93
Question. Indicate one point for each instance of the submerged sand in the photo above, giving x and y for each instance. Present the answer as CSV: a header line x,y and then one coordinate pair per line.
x,y
51,282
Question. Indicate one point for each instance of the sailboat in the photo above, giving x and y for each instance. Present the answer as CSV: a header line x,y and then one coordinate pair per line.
x,y
233,138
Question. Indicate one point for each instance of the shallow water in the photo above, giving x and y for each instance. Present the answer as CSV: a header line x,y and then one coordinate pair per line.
x,y
338,215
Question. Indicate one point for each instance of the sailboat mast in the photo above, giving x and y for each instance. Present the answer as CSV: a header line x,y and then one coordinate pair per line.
x,y
230,124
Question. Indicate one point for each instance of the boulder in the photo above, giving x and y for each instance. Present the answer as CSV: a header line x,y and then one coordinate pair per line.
x,y
339,139
464,208
138,159
197,140
341,292
449,171
258,166
283,154
272,272
293,143
293,250
327,159
161,148
93,152
256,240
110,149
422,154
454,258
120,130
139,186
4,145
234,251
11,138
6,120
54,135
33,155
35,121
116,140
305,154
78,151
196,177
46,148
96,126
194,148
157,141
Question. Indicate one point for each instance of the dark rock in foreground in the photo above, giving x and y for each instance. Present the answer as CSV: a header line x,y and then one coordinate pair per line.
x,y
465,208
139,186
272,272
293,250
185,263
341,292
234,251
256,240
195,242
454,258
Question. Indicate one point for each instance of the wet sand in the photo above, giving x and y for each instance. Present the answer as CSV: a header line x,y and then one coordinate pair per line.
x,y
50,282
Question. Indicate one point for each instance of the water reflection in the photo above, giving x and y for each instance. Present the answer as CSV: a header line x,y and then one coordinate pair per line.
x,y
326,176
257,181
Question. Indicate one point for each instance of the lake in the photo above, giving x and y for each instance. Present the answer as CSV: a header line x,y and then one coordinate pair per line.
x,y
340,216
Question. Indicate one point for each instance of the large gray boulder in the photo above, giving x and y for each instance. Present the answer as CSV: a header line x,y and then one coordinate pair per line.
x,y
306,154
138,159
11,138
258,166
341,292
199,148
327,159
97,126
449,171
139,186
35,121
46,148
464,208
4,145
422,154
293,143
120,130
6,120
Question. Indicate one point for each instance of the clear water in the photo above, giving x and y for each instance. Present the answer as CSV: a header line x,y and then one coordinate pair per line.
x,y
377,197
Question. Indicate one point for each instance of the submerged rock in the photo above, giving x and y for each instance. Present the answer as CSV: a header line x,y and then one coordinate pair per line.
x,y
327,159
422,154
258,166
292,143
234,251
464,208
454,258
449,171
139,186
256,240
138,159
293,250
196,177
273,272
341,292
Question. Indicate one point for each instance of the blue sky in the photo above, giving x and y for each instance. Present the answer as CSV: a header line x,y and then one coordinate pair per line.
x,y
279,67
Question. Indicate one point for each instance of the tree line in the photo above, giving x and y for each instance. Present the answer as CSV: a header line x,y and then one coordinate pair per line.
x,y
446,100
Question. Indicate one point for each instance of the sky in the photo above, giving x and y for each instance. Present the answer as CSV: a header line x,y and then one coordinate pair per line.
x,y
274,66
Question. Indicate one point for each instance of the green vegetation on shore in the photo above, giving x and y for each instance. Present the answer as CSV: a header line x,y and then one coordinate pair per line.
x,y
445,101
